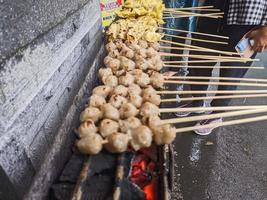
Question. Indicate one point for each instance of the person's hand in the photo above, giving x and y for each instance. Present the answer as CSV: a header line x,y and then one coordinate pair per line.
x,y
259,36
169,74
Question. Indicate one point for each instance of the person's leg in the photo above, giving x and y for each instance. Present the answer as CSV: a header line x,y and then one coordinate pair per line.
x,y
205,25
235,34
239,31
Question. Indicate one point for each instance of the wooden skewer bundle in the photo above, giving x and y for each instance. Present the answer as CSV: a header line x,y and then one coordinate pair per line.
x,y
179,14
214,92
213,97
201,48
257,80
212,67
210,57
124,112
214,116
227,123
194,33
218,108
215,83
195,39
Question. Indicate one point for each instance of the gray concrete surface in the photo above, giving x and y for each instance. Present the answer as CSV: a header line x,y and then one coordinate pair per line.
x,y
230,164
22,21
60,43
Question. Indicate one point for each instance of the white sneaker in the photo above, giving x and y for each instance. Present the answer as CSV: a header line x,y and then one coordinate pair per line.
x,y
184,114
207,131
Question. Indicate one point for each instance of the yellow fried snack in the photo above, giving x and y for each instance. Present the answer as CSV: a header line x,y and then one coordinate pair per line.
x,y
132,29
137,8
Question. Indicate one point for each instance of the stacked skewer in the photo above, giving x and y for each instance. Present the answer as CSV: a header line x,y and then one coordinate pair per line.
x,y
124,112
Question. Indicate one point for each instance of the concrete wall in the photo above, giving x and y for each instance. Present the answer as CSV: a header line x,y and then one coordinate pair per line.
x,y
50,51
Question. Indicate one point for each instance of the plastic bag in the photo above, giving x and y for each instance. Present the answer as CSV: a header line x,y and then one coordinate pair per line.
x,y
188,23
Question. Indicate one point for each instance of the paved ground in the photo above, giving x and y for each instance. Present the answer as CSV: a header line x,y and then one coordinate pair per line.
x,y
230,164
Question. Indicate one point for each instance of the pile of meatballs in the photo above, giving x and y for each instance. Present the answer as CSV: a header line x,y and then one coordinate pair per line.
x,y
123,113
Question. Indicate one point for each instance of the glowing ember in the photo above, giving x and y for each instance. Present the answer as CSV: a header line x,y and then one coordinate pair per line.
x,y
142,174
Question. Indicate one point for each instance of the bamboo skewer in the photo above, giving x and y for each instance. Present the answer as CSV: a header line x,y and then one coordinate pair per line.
x,y
203,61
214,92
213,97
213,67
228,123
218,108
218,78
192,9
180,12
216,83
208,57
213,116
202,48
184,16
189,8
195,39
182,48
192,32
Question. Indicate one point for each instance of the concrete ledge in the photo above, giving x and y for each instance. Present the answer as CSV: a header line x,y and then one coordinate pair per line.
x,y
61,148
37,88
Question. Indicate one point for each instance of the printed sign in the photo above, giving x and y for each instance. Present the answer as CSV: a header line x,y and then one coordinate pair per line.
x,y
108,9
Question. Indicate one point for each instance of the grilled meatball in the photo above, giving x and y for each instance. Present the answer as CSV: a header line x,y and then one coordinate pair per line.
x,y
141,138
149,91
90,145
128,124
157,80
141,64
110,46
117,101
86,128
143,44
120,90
154,45
119,72
102,90
127,79
126,63
134,46
128,110
117,142
92,113
136,100
114,54
154,98
108,126
119,44
111,81
153,121
112,63
97,101
140,52
127,52
104,73
151,52
110,112
134,89
142,79
164,134
155,64
149,109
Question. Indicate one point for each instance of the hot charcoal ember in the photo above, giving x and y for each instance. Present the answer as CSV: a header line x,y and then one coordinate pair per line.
x,y
130,191
143,174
